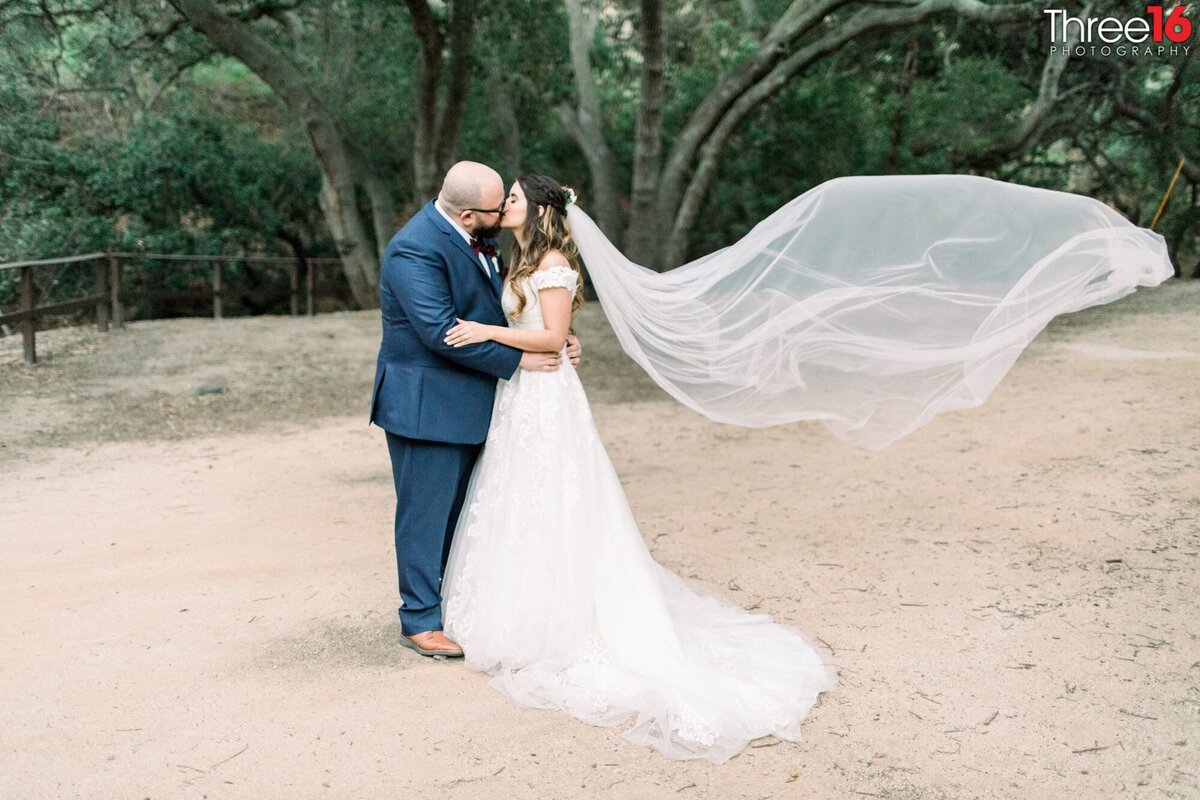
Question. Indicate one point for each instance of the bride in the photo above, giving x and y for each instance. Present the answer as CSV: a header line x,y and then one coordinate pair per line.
x,y
868,303
549,585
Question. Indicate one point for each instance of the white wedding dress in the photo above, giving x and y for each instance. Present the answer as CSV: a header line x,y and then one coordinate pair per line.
x,y
550,588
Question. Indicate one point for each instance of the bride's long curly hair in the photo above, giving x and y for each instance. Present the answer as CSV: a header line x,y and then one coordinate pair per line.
x,y
545,229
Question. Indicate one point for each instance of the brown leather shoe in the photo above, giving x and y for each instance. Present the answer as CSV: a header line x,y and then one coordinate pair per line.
x,y
432,643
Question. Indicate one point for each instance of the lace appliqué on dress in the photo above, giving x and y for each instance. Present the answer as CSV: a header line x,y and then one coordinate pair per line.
x,y
531,314
555,278
592,676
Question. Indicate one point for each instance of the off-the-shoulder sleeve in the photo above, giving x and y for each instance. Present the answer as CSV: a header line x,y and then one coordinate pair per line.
x,y
555,277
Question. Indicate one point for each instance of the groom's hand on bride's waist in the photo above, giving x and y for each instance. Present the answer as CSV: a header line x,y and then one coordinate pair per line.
x,y
540,362
548,362
574,349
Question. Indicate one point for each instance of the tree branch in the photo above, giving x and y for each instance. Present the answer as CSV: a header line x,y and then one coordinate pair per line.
x,y
772,67
711,144
175,75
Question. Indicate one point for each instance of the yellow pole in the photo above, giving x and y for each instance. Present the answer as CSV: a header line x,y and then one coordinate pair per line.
x,y
1163,204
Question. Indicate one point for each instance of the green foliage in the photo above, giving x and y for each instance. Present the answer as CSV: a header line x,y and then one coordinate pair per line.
x,y
114,134
959,112
792,135
176,182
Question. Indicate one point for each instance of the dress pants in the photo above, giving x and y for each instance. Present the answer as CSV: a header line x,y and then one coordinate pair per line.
x,y
431,482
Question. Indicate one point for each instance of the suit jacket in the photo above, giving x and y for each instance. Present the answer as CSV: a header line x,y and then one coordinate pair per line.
x,y
424,388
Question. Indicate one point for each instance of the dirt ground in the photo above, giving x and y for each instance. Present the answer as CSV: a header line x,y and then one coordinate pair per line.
x,y
198,596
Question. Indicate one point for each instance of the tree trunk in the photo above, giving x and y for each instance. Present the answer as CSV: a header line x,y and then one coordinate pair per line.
x,y
429,76
458,83
641,240
438,120
585,124
383,211
507,131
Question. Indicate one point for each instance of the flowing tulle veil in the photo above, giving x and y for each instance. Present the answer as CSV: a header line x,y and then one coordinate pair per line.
x,y
871,303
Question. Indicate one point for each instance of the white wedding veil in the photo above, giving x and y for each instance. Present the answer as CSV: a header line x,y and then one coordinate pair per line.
x,y
870,303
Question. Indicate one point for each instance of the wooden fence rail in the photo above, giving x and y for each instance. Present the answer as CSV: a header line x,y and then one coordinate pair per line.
x,y
109,294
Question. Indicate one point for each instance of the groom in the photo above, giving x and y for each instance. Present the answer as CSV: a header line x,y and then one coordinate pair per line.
x,y
434,400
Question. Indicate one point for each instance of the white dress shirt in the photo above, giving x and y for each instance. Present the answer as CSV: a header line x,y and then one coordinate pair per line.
x,y
489,268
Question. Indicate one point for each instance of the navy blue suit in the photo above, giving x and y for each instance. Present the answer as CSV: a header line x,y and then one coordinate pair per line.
x,y
433,400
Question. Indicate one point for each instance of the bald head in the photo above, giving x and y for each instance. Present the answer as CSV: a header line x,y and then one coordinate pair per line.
x,y
469,184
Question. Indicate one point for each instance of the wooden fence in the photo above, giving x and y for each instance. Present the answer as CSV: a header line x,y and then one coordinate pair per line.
x,y
109,294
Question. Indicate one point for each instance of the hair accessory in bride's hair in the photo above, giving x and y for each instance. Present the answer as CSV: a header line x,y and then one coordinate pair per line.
x,y
570,195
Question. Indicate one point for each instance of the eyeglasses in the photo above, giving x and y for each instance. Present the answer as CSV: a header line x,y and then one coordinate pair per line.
x,y
499,210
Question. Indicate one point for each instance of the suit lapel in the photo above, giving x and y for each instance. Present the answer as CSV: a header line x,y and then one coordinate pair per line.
x,y
457,240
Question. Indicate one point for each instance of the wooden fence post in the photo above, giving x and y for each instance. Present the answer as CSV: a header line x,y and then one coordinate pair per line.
x,y
295,288
216,287
29,326
102,303
115,278
310,286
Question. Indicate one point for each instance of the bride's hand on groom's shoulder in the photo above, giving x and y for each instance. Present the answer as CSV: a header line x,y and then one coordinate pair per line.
x,y
467,332
574,349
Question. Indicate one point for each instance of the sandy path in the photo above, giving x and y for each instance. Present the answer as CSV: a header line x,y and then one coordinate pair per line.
x,y
197,594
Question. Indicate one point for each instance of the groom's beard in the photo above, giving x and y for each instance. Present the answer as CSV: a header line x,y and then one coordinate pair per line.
x,y
487,233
